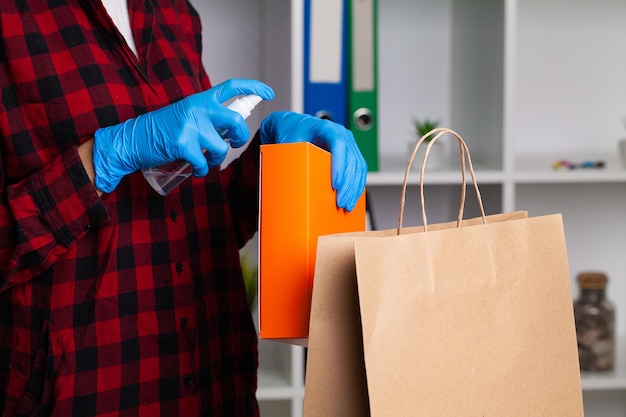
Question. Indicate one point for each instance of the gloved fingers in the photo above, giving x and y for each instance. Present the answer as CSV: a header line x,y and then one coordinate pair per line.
x,y
209,151
215,149
342,171
109,170
209,115
215,155
349,169
267,130
288,127
194,156
353,182
212,156
230,125
238,87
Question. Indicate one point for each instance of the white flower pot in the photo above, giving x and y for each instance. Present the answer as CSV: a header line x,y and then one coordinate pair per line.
x,y
436,157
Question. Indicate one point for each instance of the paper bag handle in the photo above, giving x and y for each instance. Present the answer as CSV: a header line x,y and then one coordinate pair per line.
x,y
464,152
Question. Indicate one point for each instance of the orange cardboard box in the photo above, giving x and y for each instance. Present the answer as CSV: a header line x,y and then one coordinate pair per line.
x,y
297,204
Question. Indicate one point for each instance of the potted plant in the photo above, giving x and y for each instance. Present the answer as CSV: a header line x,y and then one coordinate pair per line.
x,y
437,153
424,126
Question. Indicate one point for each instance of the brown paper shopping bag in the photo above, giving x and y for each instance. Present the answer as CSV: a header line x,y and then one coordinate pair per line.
x,y
467,318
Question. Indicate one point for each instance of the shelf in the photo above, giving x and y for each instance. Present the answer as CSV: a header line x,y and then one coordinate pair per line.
x,y
432,177
393,167
275,386
587,176
602,382
273,380
531,169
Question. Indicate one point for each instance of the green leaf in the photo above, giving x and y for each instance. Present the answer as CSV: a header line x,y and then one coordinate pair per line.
x,y
424,126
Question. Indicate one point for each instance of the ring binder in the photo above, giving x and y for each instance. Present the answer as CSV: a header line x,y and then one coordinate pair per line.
x,y
325,59
362,79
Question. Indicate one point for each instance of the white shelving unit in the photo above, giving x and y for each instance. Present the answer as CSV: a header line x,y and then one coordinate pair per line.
x,y
525,82
281,379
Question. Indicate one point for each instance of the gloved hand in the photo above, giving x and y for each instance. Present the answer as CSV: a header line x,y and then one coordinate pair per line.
x,y
178,131
349,168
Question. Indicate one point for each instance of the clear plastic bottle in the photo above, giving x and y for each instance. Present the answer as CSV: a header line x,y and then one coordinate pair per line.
x,y
595,323
166,177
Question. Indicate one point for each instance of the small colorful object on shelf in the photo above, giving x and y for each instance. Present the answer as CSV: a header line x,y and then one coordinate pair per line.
x,y
563,163
589,164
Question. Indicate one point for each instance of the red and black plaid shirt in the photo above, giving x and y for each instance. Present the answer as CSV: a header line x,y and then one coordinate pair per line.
x,y
133,304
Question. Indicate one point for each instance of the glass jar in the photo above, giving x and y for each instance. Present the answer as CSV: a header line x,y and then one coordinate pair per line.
x,y
595,323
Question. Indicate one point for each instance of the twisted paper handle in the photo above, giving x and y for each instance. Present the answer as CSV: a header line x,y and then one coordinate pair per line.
x,y
464,152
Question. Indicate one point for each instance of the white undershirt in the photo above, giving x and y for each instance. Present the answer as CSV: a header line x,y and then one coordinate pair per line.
x,y
118,10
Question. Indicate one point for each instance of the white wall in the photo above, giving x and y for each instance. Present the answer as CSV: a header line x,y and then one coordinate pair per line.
x,y
570,66
232,45
231,38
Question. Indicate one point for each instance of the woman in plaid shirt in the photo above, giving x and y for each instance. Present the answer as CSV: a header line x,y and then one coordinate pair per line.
x,y
114,300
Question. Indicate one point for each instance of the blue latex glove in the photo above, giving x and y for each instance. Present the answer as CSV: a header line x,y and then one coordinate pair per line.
x,y
178,131
349,169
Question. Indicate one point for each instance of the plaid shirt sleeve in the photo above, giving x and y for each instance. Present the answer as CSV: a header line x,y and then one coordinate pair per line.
x,y
45,214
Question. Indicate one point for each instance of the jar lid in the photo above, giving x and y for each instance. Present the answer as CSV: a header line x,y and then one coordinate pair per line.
x,y
592,280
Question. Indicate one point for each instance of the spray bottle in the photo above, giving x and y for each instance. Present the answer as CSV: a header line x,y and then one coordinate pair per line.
x,y
169,176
